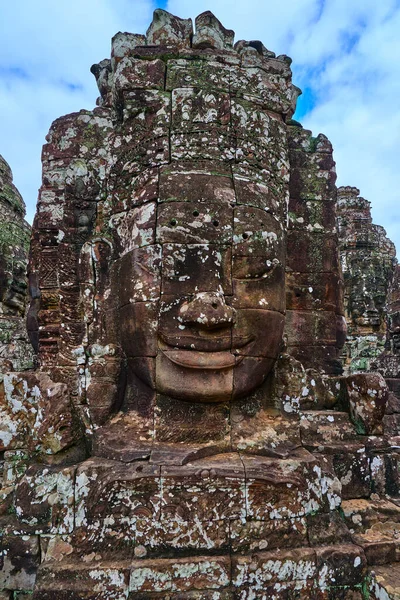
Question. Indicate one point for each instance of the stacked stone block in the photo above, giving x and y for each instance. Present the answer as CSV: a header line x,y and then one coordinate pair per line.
x,y
171,445
15,349
314,324
368,262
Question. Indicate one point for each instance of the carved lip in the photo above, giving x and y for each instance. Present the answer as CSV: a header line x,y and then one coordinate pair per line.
x,y
193,359
207,345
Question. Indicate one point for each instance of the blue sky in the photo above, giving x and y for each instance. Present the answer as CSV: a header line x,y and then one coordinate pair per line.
x,y
345,59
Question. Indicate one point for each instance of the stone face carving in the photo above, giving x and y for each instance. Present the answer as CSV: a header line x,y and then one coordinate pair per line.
x,y
388,363
15,350
188,433
368,262
201,288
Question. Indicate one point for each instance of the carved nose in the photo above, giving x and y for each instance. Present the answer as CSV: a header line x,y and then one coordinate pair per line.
x,y
207,310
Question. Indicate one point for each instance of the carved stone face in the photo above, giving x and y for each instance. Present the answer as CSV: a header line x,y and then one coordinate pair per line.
x,y
202,299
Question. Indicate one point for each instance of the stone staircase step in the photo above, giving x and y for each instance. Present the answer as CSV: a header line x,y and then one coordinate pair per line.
x,y
319,428
379,548
385,582
362,514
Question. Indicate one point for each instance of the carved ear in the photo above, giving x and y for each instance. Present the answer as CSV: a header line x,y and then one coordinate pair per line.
x,y
210,33
94,281
94,260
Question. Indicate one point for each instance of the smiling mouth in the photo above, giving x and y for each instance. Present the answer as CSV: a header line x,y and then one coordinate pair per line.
x,y
193,359
205,359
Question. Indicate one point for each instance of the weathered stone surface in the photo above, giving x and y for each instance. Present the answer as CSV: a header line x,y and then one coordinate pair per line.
x,y
368,261
21,557
367,402
16,352
168,30
385,582
210,33
188,433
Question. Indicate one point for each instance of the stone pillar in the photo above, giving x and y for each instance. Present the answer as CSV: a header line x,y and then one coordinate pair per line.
x,y
368,261
16,353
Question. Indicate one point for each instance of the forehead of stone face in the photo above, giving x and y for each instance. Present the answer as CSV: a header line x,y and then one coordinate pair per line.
x,y
194,222
257,232
198,181
213,181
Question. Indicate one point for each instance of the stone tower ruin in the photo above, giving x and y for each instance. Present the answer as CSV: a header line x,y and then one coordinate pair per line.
x,y
189,432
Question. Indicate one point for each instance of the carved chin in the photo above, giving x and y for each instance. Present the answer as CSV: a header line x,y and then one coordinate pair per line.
x,y
211,377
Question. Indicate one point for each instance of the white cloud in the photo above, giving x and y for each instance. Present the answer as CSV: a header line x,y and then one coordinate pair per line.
x,y
46,51
345,57
357,108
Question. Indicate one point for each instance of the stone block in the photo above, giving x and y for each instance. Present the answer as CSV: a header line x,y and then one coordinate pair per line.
x,y
177,535
98,490
340,565
351,466
313,215
80,580
368,396
168,30
197,183
312,252
284,488
210,33
312,176
257,283
322,428
363,514
134,74
257,536
127,188
20,560
265,569
322,358
143,155
379,549
391,424
183,73
262,431
44,500
135,228
215,144
191,423
310,327
250,320
250,372
138,327
194,223
211,489
313,292
195,109
128,436
257,85
136,277
262,195
181,574
123,44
